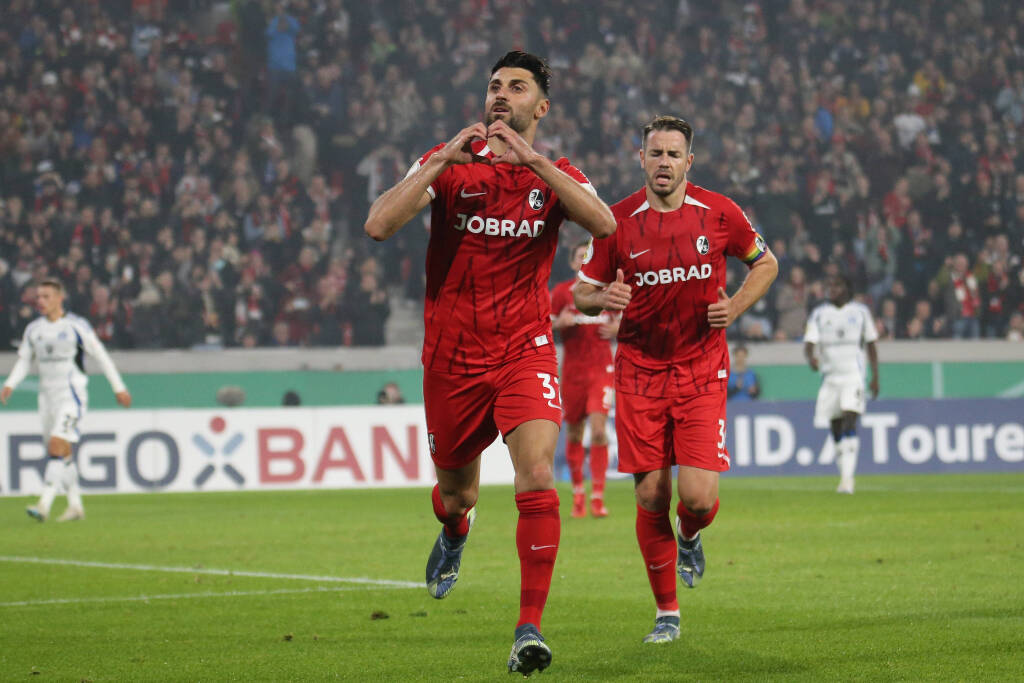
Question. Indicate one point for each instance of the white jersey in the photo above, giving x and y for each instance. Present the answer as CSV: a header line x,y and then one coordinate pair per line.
x,y
58,348
840,335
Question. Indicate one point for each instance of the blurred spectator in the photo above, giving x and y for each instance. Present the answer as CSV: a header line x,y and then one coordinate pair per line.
x,y
743,384
963,299
390,394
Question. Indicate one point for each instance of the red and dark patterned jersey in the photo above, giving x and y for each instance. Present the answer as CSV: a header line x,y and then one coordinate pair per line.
x,y
584,352
493,236
674,262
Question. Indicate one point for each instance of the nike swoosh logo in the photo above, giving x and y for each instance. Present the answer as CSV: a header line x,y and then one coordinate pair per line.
x,y
663,564
542,547
640,253
556,407
467,195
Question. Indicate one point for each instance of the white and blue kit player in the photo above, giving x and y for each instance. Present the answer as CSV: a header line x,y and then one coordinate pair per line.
x,y
838,333
57,342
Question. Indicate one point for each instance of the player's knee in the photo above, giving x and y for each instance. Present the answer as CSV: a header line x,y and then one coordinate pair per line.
x,y
651,496
535,477
698,503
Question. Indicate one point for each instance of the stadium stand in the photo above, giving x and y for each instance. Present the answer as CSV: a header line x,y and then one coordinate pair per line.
x,y
198,172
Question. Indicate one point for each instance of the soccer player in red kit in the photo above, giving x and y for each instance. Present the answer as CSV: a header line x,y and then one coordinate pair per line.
x,y
489,361
665,269
587,387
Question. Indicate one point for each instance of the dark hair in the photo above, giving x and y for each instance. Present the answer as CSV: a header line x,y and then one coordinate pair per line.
x,y
532,63
670,123
52,282
291,398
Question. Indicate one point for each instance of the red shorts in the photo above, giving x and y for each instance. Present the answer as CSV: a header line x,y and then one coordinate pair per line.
x,y
465,413
587,394
656,433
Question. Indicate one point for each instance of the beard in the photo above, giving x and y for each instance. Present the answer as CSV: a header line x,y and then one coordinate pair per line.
x,y
663,191
516,121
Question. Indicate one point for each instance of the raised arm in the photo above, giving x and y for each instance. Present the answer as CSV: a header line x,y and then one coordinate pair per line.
x,y
582,205
407,197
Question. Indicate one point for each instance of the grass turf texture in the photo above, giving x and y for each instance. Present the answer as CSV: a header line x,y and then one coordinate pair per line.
x,y
913,578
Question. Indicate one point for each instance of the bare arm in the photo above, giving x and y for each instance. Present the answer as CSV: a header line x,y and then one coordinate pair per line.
x,y
724,312
406,198
812,358
591,299
873,360
582,205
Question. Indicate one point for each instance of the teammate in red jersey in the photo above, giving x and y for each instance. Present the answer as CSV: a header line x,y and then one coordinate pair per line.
x,y
587,387
489,362
665,269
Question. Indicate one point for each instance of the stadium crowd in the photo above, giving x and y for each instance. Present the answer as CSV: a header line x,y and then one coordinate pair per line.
x,y
198,172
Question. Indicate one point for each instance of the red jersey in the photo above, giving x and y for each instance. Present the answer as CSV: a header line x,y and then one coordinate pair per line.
x,y
493,236
675,262
585,352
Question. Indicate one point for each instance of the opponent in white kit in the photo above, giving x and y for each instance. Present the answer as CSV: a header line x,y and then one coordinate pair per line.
x,y
57,342
837,334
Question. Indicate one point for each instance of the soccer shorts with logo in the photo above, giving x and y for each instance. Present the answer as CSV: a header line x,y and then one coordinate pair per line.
x,y
465,413
586,393
60,414
657,433
839,394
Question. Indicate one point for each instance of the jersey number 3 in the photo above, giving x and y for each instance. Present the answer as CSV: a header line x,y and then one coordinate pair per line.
x,y
550,392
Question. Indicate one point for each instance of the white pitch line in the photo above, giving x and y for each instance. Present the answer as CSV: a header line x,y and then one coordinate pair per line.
x,y
217,572
177,596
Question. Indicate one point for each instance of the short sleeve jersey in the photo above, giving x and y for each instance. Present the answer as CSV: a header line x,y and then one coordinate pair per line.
x,y
674,261
841,333
585,353
493,236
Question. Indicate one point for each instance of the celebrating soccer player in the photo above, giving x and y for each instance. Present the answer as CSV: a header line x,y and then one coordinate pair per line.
x,y
489,361
665,269
586,387
57,342
837,333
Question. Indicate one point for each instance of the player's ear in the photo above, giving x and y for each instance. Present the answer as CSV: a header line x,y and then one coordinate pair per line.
x,y
641,157
541,110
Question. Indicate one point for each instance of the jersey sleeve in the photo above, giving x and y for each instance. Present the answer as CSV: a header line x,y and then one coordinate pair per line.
x,y
811,333
23,364
94,347
870,330
439,182
599,264
574,173
744,242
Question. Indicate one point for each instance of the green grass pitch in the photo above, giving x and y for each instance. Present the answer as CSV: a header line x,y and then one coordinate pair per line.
x,y
913,578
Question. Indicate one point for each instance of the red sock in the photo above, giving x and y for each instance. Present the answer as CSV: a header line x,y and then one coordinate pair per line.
x,y
574,456
537,535
453,527
692,523
658,548
598,469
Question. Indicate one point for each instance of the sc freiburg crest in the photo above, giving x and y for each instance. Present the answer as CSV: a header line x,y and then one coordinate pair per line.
x,y
703,246
536,200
